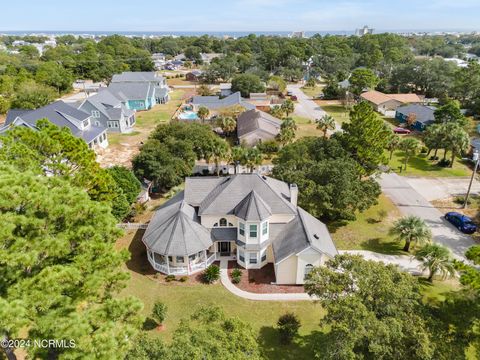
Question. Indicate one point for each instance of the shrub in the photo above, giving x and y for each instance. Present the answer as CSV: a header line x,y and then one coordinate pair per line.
x,y
159,312
183,279
444,163
461,200
211,274
236,276
288,325
269,147
424,150
169,278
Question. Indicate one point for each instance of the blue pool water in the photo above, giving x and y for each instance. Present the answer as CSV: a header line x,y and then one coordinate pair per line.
x,y
188,115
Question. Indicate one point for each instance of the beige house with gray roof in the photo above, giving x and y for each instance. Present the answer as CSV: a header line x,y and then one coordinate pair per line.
x,y
254,126
249,218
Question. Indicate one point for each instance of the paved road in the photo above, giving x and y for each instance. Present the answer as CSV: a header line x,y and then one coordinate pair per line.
x,y
410,202
442,188
306,107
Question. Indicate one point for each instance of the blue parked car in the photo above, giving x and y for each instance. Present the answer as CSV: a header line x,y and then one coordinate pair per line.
x,y
461,222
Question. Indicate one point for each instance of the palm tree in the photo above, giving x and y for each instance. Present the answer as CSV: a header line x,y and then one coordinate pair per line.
x,y
393,144
456,140
434,138
204,90
437,260
237,156
203,113
219,153
287,131
288,107
325,123
277,111
411,229
227,124
410,147
253,156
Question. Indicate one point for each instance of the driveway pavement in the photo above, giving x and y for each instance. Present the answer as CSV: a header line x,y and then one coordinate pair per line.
x,y
410,202
305,106
442,188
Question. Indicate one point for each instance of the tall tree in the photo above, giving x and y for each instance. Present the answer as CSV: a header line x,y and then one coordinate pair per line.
x,y
410,147
287,131
288,107
247,83
126,181
455,139
362,79
393,144
325,123
374,311
411,229
437,260
365,137
450,113
203,113
60,270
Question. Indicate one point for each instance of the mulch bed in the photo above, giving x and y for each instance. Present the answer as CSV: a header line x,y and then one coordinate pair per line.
x,y
259,281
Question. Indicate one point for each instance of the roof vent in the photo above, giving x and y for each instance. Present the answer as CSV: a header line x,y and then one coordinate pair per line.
x,y
316,236
264,177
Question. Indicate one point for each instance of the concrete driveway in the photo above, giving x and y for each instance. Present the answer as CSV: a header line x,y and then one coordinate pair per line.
x,y
442,188
410,202
305,106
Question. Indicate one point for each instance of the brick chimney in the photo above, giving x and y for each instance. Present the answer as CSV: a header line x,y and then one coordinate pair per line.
x,y
294,194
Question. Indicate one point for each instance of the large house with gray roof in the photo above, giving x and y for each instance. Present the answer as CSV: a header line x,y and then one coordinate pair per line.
x,y
64,116
109,111
249,218
422,115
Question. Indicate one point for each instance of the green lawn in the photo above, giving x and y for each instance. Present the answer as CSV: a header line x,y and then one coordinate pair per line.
x,y
370,230
420,165
338,112
313,92
300,120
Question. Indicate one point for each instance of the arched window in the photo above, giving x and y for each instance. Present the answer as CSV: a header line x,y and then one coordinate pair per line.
x,y
223,222
308,270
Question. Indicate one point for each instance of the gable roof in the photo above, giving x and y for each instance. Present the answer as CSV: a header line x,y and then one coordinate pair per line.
x,y
60,114
214,102
253,120
175,230
136,76
252,208
377,97
132,91
108,104
424,114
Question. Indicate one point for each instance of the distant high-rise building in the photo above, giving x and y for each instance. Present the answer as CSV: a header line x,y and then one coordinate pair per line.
x,y
364,31
298,34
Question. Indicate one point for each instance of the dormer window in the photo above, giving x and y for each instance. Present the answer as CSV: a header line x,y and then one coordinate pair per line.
x,y
95,114
86,123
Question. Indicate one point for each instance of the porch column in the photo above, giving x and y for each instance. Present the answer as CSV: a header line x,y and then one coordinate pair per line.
x,y
206,258
168,265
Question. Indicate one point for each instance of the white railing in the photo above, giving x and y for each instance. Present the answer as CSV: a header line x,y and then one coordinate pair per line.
x,y
161,268
211,259
178,270
199,266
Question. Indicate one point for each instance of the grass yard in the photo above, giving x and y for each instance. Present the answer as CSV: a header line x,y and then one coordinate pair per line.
x,y
300,120
337,111
304,130
313,92
420,165
370,230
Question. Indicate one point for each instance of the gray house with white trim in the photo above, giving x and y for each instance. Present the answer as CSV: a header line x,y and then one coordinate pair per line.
x,y
109,111
249,218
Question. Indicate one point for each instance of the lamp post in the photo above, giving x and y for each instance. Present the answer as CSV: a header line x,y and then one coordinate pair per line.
x,y
475,158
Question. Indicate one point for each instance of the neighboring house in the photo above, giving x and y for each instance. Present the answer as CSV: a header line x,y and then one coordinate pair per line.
x,y
387,104
194,75
261,101
136,96
424,115
208,57
249,218
159,60
62,115
225,89
109,111
215,102
158,82
255,126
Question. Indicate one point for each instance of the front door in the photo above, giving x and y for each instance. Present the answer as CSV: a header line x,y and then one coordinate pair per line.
x,y
224,248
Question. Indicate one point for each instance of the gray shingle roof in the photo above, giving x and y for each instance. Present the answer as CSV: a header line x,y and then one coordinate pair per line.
x,y
136,76
224,234
109,105
214,102
233,189
255,120
60,114
425,114
175,230
252,208
132,91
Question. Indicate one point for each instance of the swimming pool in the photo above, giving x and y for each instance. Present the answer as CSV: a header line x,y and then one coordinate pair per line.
x,y
188,115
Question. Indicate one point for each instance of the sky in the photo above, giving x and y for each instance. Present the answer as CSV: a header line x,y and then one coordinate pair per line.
x,y
238,15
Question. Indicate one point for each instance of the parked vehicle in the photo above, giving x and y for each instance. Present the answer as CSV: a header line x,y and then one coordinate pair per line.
x,y
289,93
400,130
461,222
293,98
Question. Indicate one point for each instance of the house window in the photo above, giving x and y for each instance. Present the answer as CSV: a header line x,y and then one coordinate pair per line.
x,y
241,255
264,256
85,123
265,228
95,114
192,257
253,258
170,258
180,259
308,270
241,229
223,222
253,231
113,124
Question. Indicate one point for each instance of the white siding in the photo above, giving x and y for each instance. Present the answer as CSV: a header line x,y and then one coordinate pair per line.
x,y
308,256
286,271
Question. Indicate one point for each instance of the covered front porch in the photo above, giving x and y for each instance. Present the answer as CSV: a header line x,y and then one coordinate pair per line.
x,y
181,265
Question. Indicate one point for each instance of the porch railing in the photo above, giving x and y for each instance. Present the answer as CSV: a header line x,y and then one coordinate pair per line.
x,y
211,259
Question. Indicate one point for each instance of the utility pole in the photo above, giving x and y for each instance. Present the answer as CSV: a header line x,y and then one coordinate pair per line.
x,y
476,158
